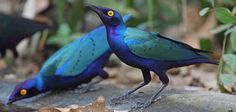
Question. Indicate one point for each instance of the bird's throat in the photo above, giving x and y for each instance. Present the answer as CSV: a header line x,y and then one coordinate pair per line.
x,y
116,42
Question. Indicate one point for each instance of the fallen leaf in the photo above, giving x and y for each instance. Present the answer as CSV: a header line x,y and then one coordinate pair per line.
x,y
49,109
96,106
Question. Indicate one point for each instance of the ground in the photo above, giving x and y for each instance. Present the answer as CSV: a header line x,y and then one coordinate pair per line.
x,y
172,99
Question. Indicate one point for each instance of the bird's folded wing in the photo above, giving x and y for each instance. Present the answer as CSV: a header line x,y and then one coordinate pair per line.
x,y
71,60
74,58
153,46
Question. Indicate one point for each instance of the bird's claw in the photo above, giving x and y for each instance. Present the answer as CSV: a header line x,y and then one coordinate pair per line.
x,y
142,105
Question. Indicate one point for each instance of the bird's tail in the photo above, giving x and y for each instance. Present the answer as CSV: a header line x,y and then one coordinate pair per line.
x,y
203,51
205,57
208,60
198,60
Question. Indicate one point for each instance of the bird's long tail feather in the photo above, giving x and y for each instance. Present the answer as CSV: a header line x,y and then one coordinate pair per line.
x,y
203,51
206,60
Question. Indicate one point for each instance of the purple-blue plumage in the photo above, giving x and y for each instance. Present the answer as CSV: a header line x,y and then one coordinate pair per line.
x,y
76,63
146,51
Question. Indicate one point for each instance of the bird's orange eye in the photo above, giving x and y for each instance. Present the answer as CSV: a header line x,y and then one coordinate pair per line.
x,y
110,13
23,92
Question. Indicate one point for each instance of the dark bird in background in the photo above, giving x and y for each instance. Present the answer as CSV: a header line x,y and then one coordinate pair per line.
x,y
14,29
74,64
146,51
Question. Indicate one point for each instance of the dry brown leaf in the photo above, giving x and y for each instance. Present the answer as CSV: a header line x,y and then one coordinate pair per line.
x,y
49,109
96,106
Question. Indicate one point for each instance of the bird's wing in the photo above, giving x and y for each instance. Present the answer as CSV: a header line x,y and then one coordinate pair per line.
x,y
157,47
72,59
75,57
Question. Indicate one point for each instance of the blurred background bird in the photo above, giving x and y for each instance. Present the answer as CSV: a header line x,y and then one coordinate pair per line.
x,y
14,29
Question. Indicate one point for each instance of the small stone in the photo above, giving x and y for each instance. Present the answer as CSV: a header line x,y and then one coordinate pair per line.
x,y
10,77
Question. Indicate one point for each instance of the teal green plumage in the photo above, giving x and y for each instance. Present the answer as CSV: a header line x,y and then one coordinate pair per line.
x,y
74,64
153,46
147,51
75,57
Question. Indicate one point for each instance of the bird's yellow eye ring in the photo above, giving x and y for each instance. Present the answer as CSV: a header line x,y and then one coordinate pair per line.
x,y
23,92
110,13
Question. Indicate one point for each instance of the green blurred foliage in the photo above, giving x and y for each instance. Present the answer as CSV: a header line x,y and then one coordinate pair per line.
x,y
228,64
224,15
227,68
206,44
69,25
63,36
153,15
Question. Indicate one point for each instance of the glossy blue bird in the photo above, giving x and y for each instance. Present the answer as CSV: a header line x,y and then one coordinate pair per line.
x,y
146,51
74,64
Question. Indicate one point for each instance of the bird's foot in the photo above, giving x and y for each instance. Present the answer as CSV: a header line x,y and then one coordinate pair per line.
x,y
143,105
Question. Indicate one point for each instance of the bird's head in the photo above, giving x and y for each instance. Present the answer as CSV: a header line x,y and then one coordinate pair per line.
x,y
109,17
24,90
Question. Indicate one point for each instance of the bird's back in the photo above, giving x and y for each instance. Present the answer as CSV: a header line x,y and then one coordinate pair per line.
x,y
17,27
158,47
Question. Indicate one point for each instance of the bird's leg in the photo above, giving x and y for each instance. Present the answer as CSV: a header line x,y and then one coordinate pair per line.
x,y
10,64
147,79
15,54
154,98
3,53
103,74
165,80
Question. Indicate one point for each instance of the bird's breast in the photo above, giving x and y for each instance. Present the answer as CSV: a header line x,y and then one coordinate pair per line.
x,y
122,51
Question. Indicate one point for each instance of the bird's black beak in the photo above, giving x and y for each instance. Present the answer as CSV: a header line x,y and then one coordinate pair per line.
x,y
10,102
97,10
93,8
